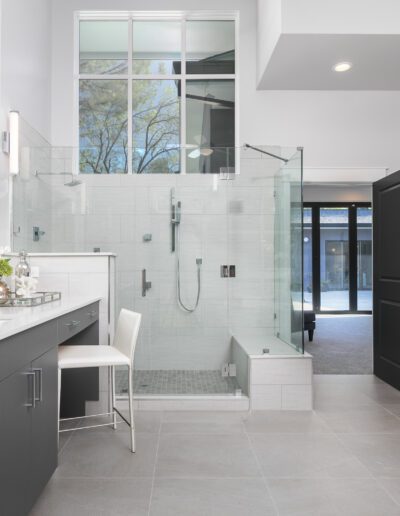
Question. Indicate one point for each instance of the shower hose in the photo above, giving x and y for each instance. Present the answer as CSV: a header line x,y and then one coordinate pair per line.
x,y
178,277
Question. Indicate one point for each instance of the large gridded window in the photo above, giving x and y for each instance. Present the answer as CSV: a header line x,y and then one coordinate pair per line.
x,y
156,95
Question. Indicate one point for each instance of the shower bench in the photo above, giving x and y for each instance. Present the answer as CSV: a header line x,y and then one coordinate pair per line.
x,y
272,374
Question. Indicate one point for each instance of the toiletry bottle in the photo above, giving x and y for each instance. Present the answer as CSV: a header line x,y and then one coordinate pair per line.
x,y
22,268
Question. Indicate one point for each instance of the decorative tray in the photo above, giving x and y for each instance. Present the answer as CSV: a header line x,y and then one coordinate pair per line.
x,y
39,298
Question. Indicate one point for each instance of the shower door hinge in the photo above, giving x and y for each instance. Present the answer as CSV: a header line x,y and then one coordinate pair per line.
x,y
274,193
274,316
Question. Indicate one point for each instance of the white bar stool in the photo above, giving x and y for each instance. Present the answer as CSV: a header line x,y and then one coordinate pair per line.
x,y
120,353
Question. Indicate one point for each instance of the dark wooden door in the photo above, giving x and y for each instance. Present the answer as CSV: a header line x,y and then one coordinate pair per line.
x,y
386,270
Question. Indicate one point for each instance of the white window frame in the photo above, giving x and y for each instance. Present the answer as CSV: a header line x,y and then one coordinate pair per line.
x,y
181,16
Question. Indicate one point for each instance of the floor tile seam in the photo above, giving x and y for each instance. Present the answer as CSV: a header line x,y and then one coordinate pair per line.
x,y
155,467
397,416
274,503
94,478
384,488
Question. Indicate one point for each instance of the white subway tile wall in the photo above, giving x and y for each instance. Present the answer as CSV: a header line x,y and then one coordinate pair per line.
x,y
223,222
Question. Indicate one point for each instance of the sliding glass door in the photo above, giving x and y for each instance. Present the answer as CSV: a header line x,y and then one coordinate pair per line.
x,y
337,257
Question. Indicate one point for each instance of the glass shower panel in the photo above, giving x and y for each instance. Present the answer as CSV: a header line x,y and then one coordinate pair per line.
x,y
288,237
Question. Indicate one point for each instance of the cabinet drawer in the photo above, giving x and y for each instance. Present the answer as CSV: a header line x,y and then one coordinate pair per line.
x,y
74,322
22,348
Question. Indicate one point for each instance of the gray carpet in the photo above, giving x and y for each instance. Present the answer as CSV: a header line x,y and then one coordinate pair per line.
x,y
342,344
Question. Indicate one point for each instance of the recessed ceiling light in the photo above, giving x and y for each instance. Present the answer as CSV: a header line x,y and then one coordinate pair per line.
x,y
343,66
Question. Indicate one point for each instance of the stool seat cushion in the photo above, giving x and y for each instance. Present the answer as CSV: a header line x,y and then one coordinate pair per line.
x,y
70,357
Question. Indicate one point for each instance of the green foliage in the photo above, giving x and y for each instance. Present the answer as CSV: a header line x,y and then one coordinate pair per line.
x,y
5,267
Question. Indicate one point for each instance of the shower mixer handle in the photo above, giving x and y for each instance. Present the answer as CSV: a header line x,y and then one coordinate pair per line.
x,y
146,285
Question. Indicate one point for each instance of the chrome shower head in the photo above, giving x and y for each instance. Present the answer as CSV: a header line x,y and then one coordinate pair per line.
x,y
73,182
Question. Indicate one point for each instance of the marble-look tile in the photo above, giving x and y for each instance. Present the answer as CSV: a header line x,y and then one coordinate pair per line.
x,y
201,456
214,497
89,497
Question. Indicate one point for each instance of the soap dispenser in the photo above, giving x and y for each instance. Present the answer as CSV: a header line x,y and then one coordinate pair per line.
x,y
22,269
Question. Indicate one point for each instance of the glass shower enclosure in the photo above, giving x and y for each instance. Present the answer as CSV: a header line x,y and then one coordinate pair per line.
x,y
202,256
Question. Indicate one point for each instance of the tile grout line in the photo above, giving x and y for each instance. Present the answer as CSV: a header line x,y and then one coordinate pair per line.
x,y
155,463
274,504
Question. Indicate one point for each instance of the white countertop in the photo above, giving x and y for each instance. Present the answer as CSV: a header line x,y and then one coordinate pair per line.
x,y
19,319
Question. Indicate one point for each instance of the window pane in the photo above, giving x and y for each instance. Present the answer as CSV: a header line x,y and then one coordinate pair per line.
x,y
334,258
156,126
210,125
364,258
156,47
307,250
103,47
210,47
103,126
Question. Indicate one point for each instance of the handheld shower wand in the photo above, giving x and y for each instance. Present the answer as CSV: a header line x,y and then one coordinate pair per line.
x,y
176,217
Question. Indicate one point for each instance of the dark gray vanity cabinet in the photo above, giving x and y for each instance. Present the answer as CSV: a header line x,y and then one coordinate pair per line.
x,y
29,403
15,439
28,433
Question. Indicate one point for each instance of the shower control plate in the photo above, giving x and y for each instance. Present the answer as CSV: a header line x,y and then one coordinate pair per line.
x,y
228,271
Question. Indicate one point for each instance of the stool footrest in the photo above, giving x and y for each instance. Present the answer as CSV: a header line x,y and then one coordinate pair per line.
x,y
124,420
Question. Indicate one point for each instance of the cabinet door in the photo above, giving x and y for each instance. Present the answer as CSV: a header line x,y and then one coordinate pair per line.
x,y
44,423
16,394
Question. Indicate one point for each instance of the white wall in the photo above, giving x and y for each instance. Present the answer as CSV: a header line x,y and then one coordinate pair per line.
x,y
340,16
25,77
333,193
337,129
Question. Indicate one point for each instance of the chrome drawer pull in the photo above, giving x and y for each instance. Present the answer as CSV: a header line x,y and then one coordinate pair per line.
x,y
93,313
32,375
73,324
39,371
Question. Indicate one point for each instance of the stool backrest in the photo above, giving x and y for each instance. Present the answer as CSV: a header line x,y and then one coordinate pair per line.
x,y
127,332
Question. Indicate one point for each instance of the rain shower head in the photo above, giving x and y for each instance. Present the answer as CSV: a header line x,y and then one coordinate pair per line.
x,y
73,182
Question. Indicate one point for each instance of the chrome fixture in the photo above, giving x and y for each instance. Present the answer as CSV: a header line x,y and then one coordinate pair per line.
x,y
73,182
147,237
247,146
37,233
176,218
146,285
228,271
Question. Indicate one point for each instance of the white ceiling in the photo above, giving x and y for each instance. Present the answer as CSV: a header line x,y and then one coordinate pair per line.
x,y
304,62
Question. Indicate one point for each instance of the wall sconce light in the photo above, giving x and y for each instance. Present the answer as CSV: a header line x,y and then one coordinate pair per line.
x,y
13,120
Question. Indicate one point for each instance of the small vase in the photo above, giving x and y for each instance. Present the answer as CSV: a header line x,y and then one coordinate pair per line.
x,y
4,291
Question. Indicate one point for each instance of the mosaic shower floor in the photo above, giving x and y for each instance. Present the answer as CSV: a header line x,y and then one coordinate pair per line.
x,y
166,382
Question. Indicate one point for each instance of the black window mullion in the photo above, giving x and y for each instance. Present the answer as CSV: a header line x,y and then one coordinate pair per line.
x,y
316,258
353,258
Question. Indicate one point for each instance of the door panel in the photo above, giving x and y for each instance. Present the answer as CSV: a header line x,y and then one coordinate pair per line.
x,y
15,435
386,252
44,422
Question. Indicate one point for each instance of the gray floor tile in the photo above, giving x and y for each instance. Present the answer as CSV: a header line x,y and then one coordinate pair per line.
x,y
211,497
202,427
338,395
331,497
281,421
382,393
374,419
105,453
94,497
197,455
305,455
380,453
392,486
